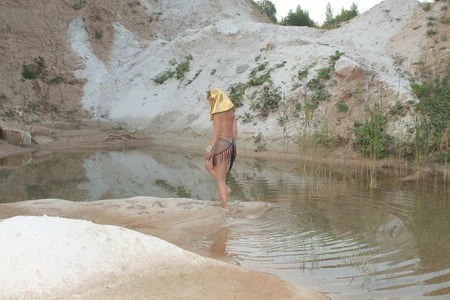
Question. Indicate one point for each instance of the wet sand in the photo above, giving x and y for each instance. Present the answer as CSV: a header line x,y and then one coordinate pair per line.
x,y
185,223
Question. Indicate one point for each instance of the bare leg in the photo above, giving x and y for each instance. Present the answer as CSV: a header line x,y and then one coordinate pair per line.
x,y
219,173
222,187
210,168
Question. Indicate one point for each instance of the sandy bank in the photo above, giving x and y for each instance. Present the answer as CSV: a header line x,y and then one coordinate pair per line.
x,y
68,253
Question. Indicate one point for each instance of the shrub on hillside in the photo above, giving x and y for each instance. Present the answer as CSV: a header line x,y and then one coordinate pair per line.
x,y
298,18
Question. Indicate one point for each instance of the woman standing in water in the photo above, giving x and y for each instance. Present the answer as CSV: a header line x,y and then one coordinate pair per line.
x,y
221,150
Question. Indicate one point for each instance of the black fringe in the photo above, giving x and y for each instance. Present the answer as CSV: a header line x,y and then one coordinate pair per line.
x,y
228,153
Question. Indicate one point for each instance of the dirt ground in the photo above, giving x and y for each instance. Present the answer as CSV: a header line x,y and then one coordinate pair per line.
x,y
85,134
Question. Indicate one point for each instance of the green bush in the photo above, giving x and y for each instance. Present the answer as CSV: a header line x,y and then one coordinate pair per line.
x,y
98,34
398,109
319,90
315,84
246,118
431,32
183,68
345,15
268,99
35,69
334,58
179,73
280,65
371,138
30,107
298,18
195,77
57,80
434,107
134,3
268,8
9,114
302,73
426,6
324,73
309,107
341,106
259,68
324,139
28,72
422,144
256,79
259,80
78,4
164,76
321,94
237,92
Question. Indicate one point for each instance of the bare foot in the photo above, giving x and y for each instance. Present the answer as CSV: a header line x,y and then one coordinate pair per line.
x,y
224,203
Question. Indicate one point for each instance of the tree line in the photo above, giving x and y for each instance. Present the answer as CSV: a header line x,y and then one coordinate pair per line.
x,y
300,17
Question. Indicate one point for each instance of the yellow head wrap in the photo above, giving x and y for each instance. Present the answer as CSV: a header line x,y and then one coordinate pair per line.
x,y
219,101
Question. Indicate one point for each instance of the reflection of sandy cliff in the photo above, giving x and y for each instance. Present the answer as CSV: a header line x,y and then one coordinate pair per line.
x,y
16,161
49,176
155,173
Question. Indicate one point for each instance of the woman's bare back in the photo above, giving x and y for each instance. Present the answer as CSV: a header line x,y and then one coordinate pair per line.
x,y
225,125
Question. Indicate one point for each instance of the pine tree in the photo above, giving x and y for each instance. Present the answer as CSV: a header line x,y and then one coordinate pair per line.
x,y
269,9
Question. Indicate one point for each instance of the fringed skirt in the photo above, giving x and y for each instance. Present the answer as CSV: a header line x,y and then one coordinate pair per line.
x,y
224,150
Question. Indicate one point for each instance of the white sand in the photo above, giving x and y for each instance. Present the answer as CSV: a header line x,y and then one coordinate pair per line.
x,y
41,254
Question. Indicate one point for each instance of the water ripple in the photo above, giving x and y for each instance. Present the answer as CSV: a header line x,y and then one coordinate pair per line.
x,y
362,260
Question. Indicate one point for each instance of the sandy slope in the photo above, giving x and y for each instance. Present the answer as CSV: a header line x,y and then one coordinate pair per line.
x,y
231,48
111,75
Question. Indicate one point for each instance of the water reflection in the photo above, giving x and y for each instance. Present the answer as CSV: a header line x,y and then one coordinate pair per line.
x,y
105,175
347,231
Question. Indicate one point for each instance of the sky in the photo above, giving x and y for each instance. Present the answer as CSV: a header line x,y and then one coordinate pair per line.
x,y
317,8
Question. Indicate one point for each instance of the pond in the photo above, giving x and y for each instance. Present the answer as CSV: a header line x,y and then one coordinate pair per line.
x,y
348,232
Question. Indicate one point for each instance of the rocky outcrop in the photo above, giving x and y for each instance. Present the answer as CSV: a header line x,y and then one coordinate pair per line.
x,y
16,137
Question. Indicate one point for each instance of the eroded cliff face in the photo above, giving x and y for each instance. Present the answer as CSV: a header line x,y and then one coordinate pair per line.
x,y
38,63
148,64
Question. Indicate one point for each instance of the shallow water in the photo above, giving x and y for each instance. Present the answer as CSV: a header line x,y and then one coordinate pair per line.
x,y
349,232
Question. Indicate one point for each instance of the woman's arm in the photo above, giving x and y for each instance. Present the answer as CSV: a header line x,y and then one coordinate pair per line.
x,y
234,128
217,119
215,135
